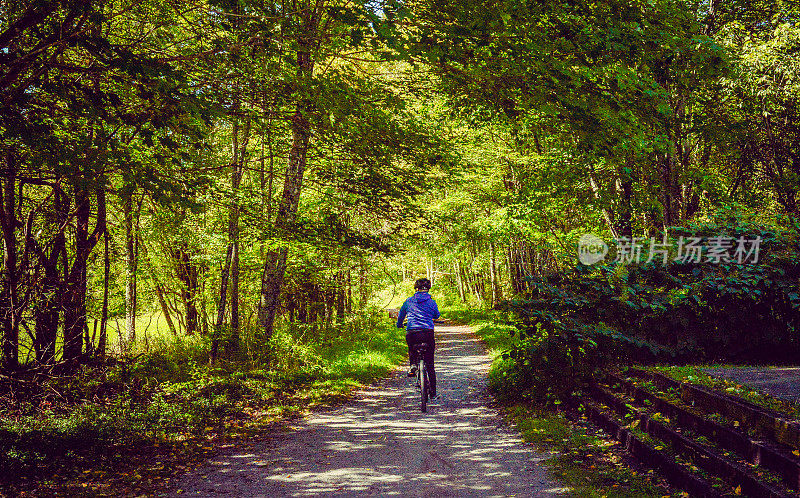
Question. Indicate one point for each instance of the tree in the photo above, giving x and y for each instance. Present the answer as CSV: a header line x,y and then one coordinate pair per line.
x,y
331,35
75,94
623,77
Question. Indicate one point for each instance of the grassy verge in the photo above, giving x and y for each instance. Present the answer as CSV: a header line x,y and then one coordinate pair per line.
x,y
124,428
588,461
151,330
488,324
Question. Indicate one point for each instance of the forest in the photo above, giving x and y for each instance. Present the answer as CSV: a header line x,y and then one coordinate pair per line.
x,y
206,206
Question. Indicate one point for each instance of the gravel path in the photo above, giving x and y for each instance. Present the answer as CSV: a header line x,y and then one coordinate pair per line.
x,y
381,444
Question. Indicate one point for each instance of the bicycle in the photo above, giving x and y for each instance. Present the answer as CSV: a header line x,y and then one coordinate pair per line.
x,y
423,383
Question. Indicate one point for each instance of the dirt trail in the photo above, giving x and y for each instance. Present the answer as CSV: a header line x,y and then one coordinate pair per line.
x,y
381,444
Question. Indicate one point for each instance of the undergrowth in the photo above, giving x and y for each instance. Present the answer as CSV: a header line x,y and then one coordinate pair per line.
x,y
589,462
111,423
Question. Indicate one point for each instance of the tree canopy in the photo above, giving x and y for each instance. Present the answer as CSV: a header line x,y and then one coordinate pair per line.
x,y
231,166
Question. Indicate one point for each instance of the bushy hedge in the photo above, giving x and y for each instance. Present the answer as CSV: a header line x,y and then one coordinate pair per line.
x,y
572,323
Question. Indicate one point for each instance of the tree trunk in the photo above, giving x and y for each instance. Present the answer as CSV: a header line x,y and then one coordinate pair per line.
x,y
8,300
301,297
188,274
101,342
459,281
340,296
313,303
75,295
162,302
711,18
496,294
669,201
330,305
363,290
514,269
130,268
275,264
349,296
233,236
158,288
223,298
477,286
608,216
510,266
624,222
49,302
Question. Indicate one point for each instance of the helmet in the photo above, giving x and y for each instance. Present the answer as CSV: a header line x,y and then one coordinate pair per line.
x,y
422,284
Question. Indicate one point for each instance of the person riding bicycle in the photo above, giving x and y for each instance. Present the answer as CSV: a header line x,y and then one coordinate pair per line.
x,y
421,310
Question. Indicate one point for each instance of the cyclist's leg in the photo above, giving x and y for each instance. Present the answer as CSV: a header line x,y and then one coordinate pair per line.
x,y
410,341
429,365
413,337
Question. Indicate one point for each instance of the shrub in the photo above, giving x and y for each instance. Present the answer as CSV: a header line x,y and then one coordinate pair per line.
x,y
572,323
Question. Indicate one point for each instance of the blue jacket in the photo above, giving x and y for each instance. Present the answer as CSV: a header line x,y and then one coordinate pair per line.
x,y
421,310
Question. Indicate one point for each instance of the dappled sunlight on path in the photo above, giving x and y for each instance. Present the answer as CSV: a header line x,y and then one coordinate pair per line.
x,y
381,444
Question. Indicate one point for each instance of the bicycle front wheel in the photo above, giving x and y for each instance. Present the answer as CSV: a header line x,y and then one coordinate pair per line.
x,y
423,382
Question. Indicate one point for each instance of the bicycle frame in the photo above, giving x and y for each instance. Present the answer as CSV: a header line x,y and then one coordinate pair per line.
x,y
423,383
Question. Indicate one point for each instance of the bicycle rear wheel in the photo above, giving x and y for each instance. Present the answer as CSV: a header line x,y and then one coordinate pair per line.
x,y
423,382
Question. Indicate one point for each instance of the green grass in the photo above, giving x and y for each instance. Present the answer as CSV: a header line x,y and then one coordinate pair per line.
x,y
488,324
152,332
103,426
585,459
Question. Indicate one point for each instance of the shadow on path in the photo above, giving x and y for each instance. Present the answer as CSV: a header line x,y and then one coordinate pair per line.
x,y
381,444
